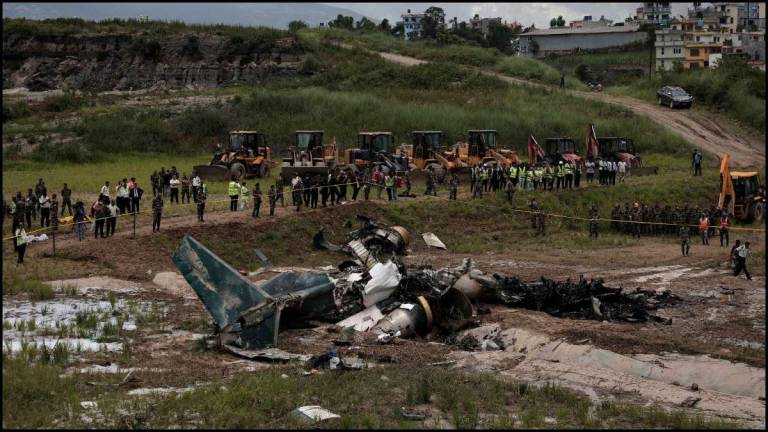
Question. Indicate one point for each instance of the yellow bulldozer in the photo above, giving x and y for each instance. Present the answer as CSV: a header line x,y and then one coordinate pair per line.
x,y
309,155
246,154
426,153
741,193
481,147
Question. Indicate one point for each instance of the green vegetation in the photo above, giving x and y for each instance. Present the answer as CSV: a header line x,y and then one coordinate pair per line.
x,y
454,398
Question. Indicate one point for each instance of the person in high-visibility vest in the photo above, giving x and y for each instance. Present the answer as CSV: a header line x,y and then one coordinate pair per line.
x,y
725,222
521,176
484,175
529,178
513,175
389,183
233,190
568,175
20,242
704,228
538,176
560,173
549,177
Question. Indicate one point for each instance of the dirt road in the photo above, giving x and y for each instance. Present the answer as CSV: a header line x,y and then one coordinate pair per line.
x,y
709,132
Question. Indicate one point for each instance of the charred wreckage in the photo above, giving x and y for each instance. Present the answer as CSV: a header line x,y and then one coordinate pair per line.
x,y
372,291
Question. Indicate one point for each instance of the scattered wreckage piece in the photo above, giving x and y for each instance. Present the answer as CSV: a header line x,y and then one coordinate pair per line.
x,y
431,240
313,414
248,315
267,354
370,244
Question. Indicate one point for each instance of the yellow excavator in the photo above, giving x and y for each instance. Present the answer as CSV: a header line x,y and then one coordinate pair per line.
x,y
741,193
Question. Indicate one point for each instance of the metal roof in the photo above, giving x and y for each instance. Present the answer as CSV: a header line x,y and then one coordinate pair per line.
x,y
482,130
585,30
427,132
245,132
309,131
374,133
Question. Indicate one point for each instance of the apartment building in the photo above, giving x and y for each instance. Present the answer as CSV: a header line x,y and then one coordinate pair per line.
x,y
483,24
700,46
670,46
411,24
658,14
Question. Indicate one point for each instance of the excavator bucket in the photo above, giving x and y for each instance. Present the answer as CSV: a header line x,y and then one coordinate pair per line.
x,y
727,192
212,172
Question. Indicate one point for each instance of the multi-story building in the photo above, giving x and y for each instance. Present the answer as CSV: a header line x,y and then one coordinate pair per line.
x,y
753,17
483,24
670,46
587,21
699,46
411,24
658,14
729,15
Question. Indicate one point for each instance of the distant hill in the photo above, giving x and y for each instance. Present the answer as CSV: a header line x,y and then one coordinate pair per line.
x,y
276,15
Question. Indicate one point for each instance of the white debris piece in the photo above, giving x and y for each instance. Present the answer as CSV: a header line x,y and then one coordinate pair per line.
x,y
363,320
314,413
431,240
384,279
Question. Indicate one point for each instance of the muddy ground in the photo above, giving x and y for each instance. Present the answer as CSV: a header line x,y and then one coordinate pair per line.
x,y
720,318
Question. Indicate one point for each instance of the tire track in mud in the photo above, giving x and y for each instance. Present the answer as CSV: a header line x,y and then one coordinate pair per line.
x,y
712,134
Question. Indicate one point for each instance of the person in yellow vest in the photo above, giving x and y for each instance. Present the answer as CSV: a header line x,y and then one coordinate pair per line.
x,y
20,242
560,173
538,176
389,184
549,177
529,178
568,168
233,190
521,176
513,175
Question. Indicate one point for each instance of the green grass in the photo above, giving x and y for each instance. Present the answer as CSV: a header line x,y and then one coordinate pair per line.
x,y
264,399
528,68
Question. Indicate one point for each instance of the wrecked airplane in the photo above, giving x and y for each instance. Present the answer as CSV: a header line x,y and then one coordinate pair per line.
x,y
386,298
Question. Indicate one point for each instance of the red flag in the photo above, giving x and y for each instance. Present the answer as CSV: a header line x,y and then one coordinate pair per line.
x,y
534,150
591,144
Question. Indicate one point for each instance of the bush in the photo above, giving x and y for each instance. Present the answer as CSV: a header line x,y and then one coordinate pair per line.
x,y
68,101
15,110
147,49
309,65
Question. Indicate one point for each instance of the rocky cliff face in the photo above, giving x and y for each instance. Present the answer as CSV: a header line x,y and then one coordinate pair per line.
x,y
103,62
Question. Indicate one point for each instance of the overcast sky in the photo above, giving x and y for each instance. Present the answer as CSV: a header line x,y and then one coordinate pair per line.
x,y
525,13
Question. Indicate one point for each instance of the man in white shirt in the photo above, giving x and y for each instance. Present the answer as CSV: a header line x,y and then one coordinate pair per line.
x,y
111,218
622,169
589,167
104,194
196,182
742,252
45,210
174,186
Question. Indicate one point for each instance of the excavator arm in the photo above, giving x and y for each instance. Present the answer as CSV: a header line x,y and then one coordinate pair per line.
x,y
727,193
447,165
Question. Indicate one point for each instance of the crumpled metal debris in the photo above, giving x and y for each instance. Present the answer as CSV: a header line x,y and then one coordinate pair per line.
x,y
376,293
370,244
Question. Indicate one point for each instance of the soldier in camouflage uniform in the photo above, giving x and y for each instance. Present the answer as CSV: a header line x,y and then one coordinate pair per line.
x,y
615,218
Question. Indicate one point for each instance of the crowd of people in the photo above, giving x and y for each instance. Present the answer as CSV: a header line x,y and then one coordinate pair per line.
x,y
341,185
546,177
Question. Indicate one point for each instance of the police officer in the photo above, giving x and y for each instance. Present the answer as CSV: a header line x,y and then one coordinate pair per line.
x,y
256,201
272,195
593,215
684,234
454,186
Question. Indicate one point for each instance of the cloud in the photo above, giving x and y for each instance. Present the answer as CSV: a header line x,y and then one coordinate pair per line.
x,y
525,13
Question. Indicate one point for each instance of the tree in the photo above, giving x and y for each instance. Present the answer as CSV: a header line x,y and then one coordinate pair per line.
x,y
398,29
553,23
296,25
557,22
341,21
365,24
500,37
385,25
437,14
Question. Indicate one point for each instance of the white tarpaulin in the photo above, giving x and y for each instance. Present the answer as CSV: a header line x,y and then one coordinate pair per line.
x,y
384,279
431,240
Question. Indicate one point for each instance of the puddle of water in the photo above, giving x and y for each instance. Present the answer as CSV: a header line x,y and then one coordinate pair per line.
x,y
80,323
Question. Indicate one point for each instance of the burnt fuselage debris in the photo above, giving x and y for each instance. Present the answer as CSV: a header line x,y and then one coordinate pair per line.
x,y
374,292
